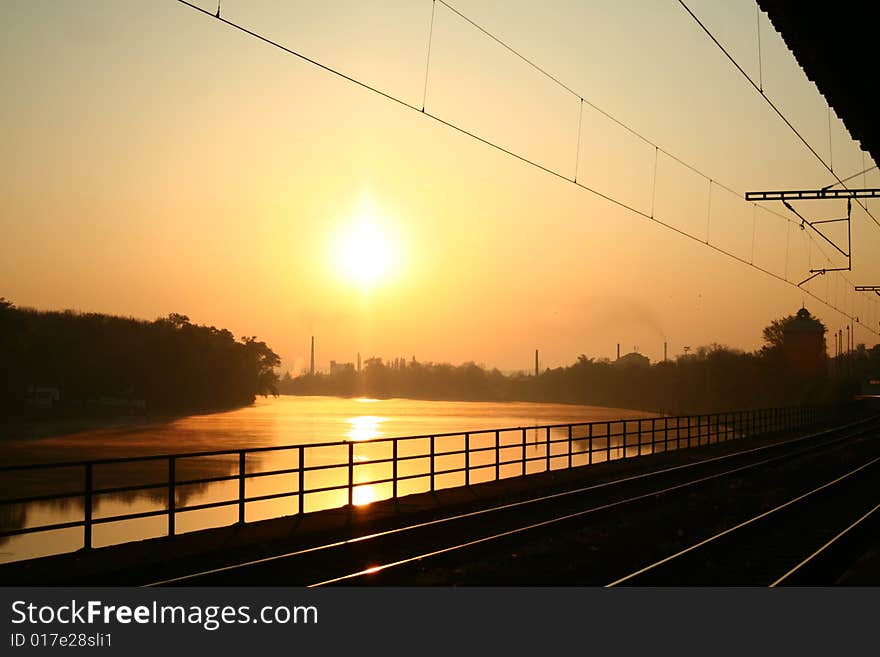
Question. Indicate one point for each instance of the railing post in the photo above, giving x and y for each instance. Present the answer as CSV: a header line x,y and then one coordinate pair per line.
x,y
394,469
87,508
467,459
172,493
640,438
524,450
570,446
608,440
591,443
497,455
623,441
653,435
548,449
665,433
302,478
350,473
432,464
241,495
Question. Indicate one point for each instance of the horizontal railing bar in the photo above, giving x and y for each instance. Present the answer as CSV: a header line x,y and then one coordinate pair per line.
x,y
126,489
271,496
374,482
205,480
208,480
206,505
129,516
42,528
268,473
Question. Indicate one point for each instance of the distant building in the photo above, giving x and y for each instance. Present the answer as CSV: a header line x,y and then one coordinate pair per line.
x,y
341,368
803,343
632,359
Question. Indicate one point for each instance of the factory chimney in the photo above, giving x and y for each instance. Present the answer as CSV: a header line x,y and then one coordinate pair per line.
x,y
312,366
536,362
618,351
664,352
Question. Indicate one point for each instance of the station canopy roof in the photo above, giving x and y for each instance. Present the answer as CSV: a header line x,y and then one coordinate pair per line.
x,y
835,44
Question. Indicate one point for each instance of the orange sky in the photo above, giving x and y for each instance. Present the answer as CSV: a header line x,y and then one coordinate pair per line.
x,y
157,161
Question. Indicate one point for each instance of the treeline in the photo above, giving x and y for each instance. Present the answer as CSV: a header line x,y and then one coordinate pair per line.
x,y
71,362
713,378
412,379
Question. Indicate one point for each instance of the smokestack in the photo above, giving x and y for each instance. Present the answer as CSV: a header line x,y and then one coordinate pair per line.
x,y
618,351
664,352
359,361
536,362
312,366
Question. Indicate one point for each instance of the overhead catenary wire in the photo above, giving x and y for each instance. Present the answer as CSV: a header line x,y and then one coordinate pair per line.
x,y
776,109
522,158
635,132
860,173
504,44
627,127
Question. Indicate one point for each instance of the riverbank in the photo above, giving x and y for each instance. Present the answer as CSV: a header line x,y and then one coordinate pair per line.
x,y
37,427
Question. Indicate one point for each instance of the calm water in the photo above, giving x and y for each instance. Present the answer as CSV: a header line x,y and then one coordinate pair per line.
x,y
269,422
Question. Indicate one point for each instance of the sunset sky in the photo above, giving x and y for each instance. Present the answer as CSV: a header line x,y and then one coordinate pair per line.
x,y
155,160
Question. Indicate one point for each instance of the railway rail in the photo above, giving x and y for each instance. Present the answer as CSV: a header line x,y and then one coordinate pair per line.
x,y
773,546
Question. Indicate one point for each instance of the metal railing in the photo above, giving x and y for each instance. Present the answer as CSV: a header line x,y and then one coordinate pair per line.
x,y
484,456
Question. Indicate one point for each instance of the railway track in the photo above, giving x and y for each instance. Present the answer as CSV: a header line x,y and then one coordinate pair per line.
x,y
774,546
389,557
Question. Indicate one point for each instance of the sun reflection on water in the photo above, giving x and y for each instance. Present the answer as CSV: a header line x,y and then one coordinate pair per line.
x,y
363,495
365,427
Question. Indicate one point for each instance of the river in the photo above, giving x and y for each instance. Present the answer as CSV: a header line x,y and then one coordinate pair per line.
x,y
272,422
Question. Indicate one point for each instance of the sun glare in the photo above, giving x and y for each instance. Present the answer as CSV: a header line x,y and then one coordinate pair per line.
x,y
364,252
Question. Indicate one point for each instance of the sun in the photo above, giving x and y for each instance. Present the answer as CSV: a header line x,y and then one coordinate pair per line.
x,y
364,253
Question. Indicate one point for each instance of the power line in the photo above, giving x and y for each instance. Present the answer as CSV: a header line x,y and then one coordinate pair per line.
x,y
523,158
577,95
863,171
625,126
760,90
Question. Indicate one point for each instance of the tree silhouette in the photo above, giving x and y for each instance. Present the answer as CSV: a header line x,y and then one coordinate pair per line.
x,y
104,364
